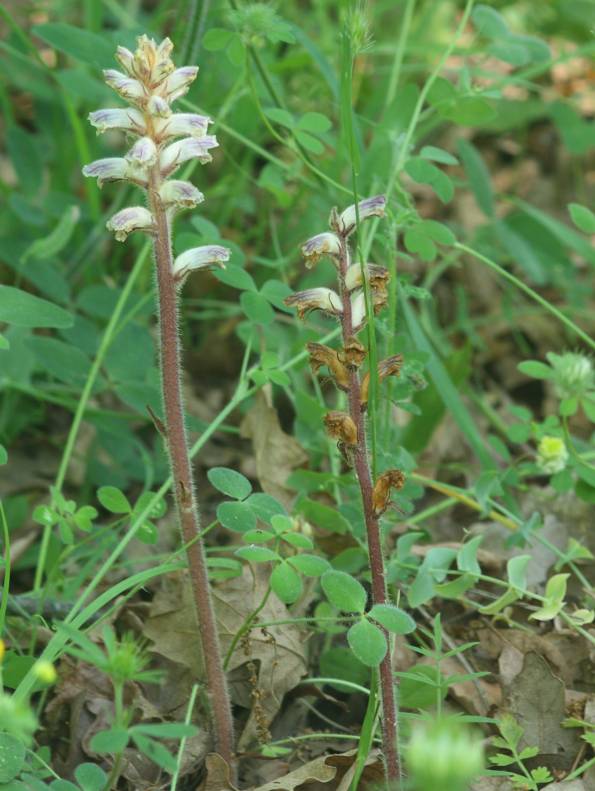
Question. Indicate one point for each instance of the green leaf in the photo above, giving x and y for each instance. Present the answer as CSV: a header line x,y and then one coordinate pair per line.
x,y
257,308
230,482
489,22
420,244
478,176
217,38
62,785
24,152
438,155
367,643
510,729
50,245
323,516
522,252
582,217
3,455
418,687
317,123
310,565
155,751
258,536
114,500
236,277
438,232
469,111
555,590
279,116
111,741
254,554
425,172
393,618
12,757
264,506
77,42
309,142
344,591
298,540
236,516
90,777
165,730
24,310
286,582
339,663
535,369
467,556
64,361
516,569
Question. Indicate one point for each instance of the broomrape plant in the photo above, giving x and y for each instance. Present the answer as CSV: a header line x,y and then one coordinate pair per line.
x,y
348,306
164,140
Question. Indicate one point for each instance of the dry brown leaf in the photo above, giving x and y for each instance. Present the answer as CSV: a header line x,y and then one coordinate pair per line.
x,y
277,653
277,454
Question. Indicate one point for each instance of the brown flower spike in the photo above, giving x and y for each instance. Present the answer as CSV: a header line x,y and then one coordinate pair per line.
x,y
391,479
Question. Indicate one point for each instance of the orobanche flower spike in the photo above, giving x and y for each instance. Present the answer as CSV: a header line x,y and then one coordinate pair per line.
x,y
350,307
165,140
162,142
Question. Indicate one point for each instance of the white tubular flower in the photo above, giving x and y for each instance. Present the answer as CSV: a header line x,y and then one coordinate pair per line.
x,y
205,257
371,207
188,148
319,246
143,153
180,194
377,275
324,299
110,169
123,119
126,60
182,124
158,107
134,218
358,311
127,87
178,83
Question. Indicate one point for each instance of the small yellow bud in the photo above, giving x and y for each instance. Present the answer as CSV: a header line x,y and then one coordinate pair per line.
x,y
45,671
2,650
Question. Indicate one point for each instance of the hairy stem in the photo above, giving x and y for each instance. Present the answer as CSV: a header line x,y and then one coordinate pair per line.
x,y
361,464
183,484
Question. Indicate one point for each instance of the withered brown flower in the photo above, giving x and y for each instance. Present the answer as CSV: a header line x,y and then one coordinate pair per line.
x,y
341,427
353,353
323,355
391,479
391,366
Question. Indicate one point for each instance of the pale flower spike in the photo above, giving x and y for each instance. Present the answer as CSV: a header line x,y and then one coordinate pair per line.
x,y
371,207
151,83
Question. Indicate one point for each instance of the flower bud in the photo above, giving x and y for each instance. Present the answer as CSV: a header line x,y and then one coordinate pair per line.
x,y
358,311
180,194
391,479
182,150
110,169
552,454
127,87
158,107
124,119
126,59
178,83
45,671
340,426
205,257
182,124
143,153
134,218
318,246
2,650
370,207
324,299
323,355
152,62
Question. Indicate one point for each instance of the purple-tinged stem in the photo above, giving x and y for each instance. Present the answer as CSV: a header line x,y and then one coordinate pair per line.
x,y
362,469
183,483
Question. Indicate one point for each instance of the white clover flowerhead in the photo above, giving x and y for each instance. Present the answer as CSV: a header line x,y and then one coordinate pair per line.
x,y
552,454
574,374
320,245
150,83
